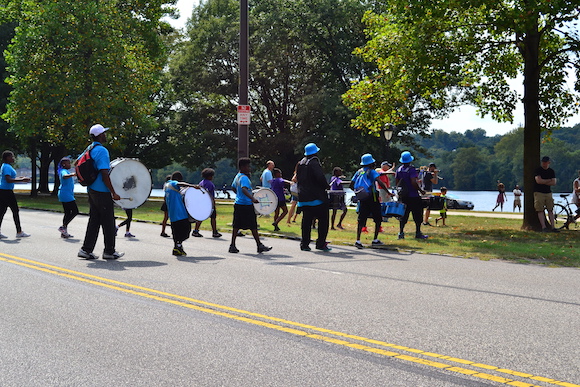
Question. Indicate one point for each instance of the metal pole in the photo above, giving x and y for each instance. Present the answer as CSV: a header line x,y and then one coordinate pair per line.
x,y
243,136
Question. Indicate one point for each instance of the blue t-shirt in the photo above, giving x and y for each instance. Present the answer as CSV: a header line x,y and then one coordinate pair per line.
x,y
267,178
278,188
100,155
66,188
175,206
242,180
7,170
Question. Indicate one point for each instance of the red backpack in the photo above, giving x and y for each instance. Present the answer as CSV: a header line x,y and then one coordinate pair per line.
x,y
85,167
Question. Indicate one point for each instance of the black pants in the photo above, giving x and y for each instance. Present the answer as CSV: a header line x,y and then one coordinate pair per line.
x,y
70,211
8,200
414,206
127,221
101,214
309,213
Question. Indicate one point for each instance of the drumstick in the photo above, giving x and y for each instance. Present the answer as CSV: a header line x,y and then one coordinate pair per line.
x,y
129,199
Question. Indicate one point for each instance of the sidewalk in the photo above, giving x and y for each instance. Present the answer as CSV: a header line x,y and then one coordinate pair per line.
x,y
505,215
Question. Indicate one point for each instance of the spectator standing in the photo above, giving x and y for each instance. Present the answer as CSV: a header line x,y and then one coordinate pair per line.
x,y
267,176
517,198
576,195
385,172
544,179
501,197
430,177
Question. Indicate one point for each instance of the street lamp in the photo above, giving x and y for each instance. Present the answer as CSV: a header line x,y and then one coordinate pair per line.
x,y
388,131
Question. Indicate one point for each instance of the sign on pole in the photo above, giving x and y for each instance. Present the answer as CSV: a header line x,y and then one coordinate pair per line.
x,y
244,113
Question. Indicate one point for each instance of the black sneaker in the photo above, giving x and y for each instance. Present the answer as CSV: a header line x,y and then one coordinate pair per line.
x,y
377,243
196,234
421,236
262,248
401,235
305,248
115,255
216,235
324,248
233,249
164,235
358,245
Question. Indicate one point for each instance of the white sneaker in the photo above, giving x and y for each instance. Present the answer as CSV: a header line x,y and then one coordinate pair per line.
x,y
22,234
2,236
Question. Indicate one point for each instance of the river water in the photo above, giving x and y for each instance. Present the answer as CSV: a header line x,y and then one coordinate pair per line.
x,y
482,200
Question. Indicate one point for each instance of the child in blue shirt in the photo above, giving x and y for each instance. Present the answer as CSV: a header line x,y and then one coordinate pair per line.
x,y
66,195
244,213
180,225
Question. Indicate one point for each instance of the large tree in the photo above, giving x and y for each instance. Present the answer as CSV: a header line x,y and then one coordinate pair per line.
x,y
300,64
434,56
73,64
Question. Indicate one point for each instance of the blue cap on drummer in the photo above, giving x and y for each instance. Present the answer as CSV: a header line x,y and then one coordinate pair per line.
x,y
310,149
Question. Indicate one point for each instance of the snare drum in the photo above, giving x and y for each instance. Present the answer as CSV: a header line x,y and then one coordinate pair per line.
x,y
268,201
337,199
131,181
197,203
394,209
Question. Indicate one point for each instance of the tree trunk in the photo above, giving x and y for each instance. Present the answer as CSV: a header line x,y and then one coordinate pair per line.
x,y
33,191
532,129
45,158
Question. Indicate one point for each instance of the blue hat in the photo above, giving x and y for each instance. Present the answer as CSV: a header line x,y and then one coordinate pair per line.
x,y
310,149
406,157
367,159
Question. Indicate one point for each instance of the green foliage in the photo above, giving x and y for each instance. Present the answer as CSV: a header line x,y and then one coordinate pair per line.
x,y
474,161
300,64
73,64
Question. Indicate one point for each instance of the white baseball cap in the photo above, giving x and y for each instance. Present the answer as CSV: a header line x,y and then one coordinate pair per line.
x,y
97,129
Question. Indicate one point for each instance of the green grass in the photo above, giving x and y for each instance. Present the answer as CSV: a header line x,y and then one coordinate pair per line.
x,y
465,236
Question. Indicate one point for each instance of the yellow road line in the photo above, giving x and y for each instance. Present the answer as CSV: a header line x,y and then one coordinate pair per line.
x,y
226,311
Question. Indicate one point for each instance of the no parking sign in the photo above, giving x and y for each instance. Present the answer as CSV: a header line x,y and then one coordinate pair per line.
x,y
244,114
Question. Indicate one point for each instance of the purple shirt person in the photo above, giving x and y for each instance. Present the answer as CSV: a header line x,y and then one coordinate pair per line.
x,y
277,185
207,183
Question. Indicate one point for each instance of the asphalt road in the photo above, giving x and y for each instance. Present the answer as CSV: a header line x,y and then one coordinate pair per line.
x,y
283,318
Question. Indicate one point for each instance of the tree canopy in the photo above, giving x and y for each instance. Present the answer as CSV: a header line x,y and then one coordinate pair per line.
x,y
73,64
432,57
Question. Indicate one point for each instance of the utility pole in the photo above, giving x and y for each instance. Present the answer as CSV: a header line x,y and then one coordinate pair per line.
x,y
243,133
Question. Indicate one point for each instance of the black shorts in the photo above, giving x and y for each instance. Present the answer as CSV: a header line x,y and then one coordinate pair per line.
x,y
164,206
244,217
180,230
369,209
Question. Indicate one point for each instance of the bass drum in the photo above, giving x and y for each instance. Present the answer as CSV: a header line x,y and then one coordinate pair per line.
x,y
131,181
268,201
197,203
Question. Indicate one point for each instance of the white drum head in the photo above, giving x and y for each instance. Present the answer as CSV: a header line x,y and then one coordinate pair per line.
x,y
197,203
268,201
131,181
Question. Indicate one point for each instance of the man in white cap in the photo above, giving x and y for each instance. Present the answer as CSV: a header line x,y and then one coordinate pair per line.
x,y
312,198
101,196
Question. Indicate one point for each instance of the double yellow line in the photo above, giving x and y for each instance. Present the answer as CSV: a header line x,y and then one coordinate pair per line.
x,y
299,329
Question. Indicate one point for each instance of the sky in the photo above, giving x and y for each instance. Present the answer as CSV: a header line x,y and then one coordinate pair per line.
x,y
461,120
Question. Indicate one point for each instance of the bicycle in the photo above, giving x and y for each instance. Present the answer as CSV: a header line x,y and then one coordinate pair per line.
x,y
564,216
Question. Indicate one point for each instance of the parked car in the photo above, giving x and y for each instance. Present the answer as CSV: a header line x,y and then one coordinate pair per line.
x,y
458,204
